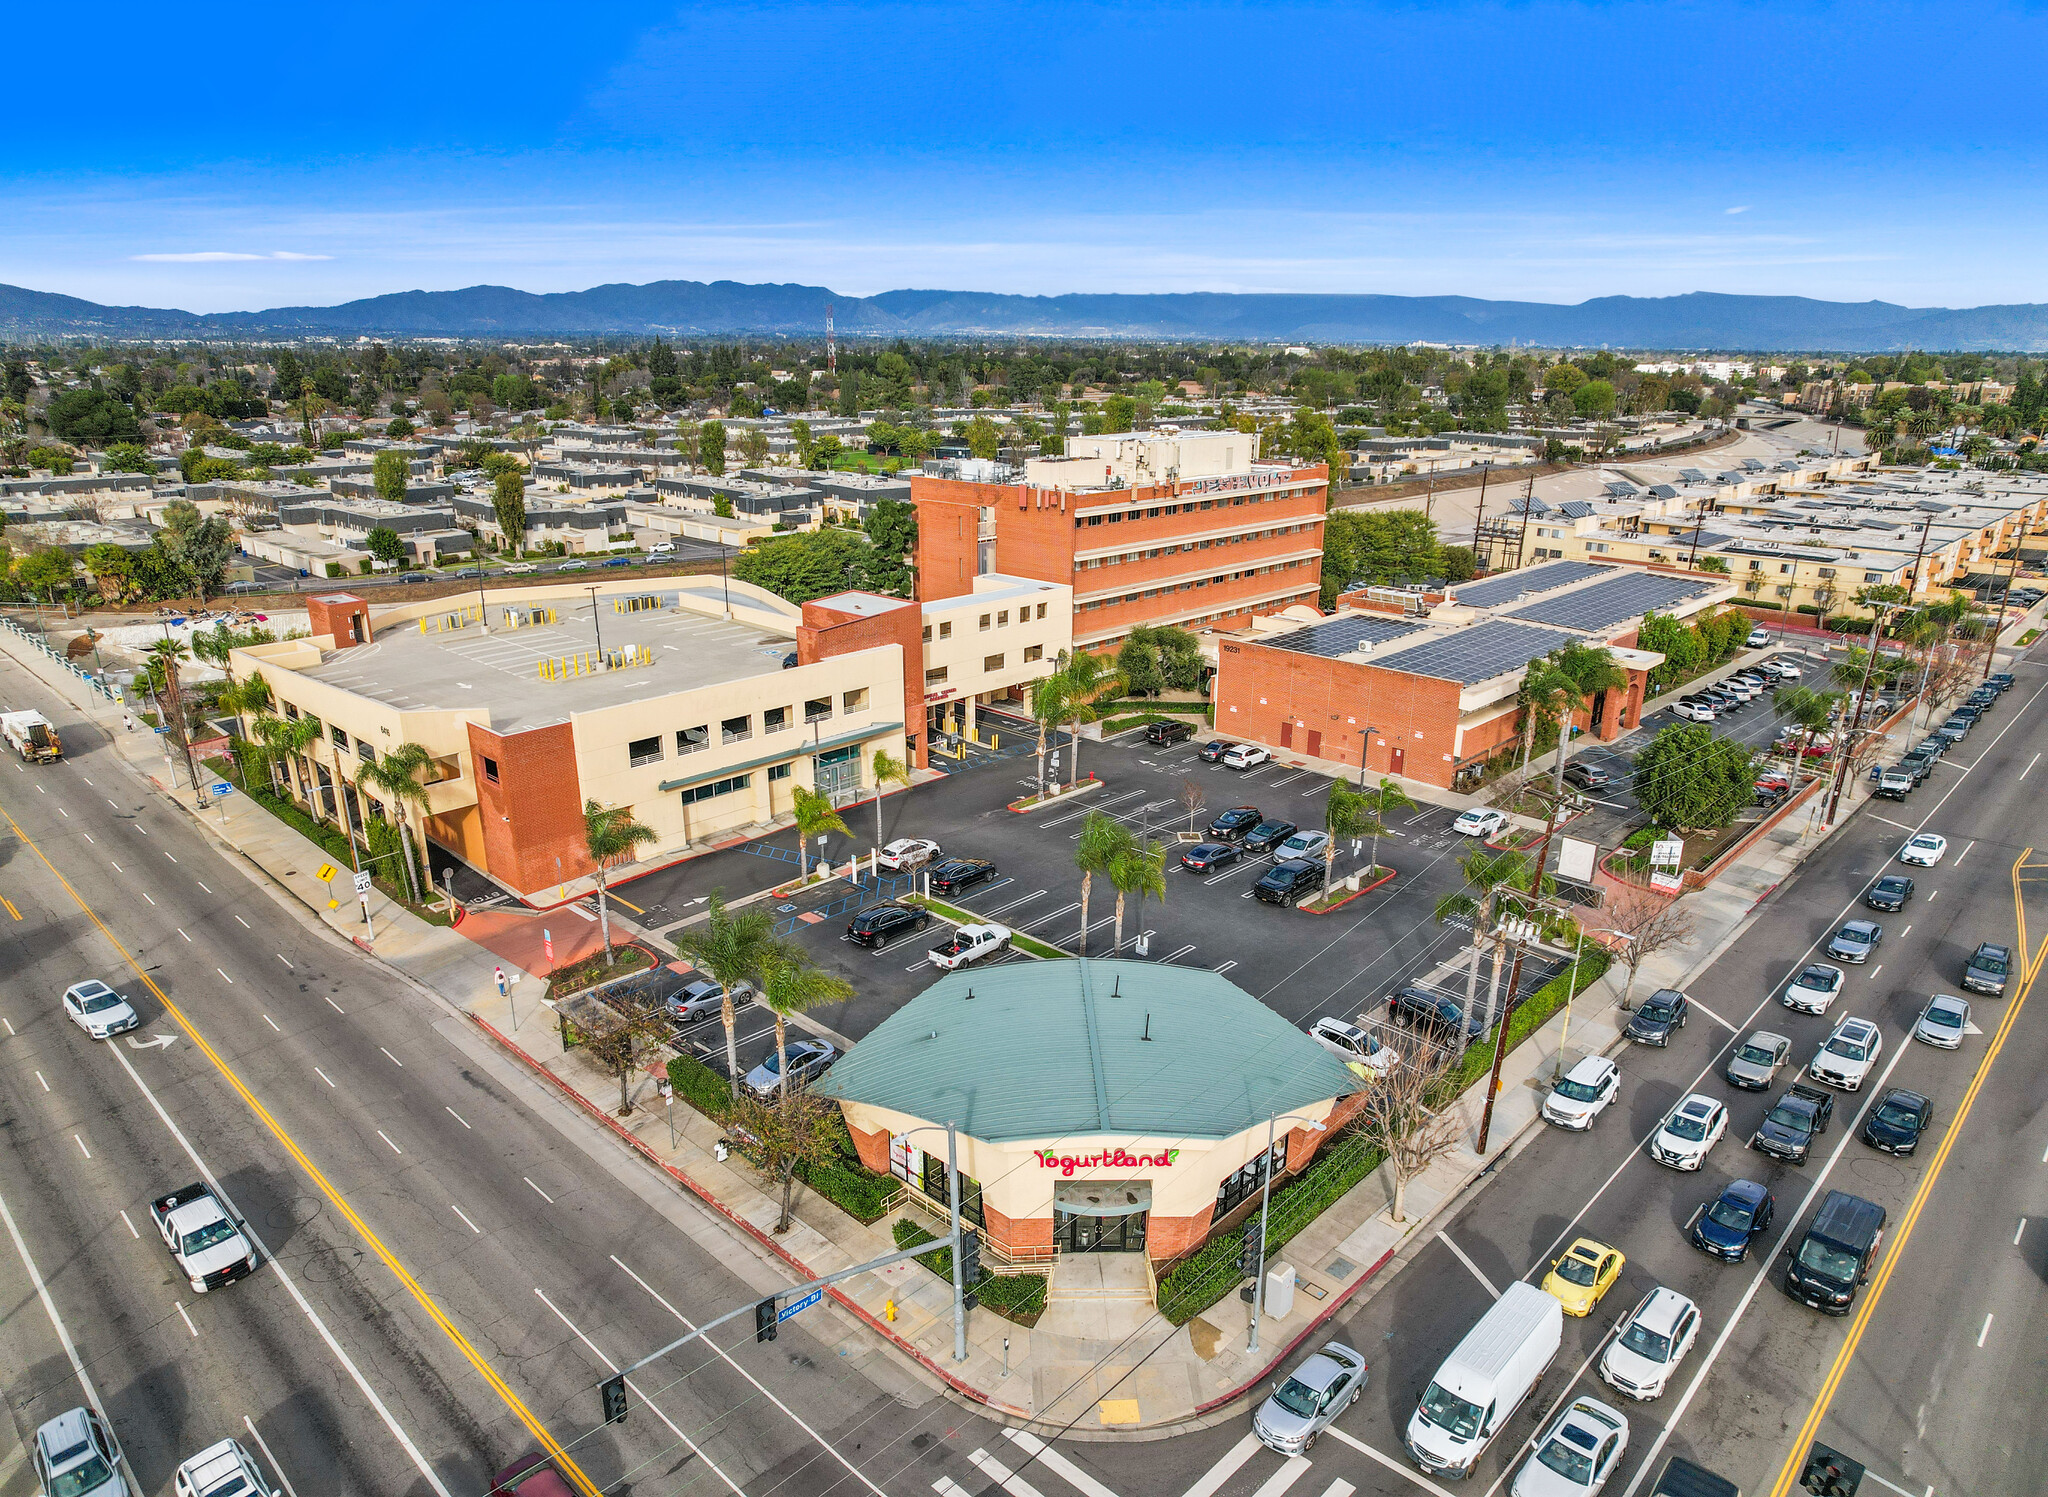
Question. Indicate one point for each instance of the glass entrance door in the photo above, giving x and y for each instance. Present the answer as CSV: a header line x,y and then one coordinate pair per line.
x,y
1074,1233
838,772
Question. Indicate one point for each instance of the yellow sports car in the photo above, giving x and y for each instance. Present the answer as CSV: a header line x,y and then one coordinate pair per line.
x,y
1587,1270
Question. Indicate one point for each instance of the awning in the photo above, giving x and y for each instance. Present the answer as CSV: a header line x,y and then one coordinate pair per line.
x,y
1102,1197
793,752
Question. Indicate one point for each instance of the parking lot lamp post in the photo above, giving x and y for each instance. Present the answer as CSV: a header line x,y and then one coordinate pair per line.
x,y
1364,753
1519,933
1265,1200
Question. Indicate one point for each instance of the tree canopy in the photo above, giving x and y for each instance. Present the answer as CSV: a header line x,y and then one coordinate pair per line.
x,y
811,565
1688,779
92,417
1377,546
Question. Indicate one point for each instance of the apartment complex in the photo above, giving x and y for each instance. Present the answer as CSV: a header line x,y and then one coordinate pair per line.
x,y
1188,529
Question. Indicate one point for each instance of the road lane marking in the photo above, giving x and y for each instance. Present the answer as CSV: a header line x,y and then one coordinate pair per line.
x,y
1212,1482
459,1118
2030,766
81,1146
247,926
10,907
138,1236
1484,1281
202,885
1002,1475
9,1023
223,974
171,856
264,1445
465,1219
323,1076
1715,1017
1983,1331
187,1319
286,960
387,1138
1058,1464
39,1077
539,1192
1964,854
1889,822
333,1005
2016,1234
88,837
1399,1468
272,1023
392,1058
181,931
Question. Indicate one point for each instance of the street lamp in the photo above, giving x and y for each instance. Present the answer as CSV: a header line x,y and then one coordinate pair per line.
x,y
953,1202
1364,753
1265,1200
1518,932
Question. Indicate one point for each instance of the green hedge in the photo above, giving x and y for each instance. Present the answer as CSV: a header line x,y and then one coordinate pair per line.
x,y
1140,704
1019,1297
1113,725
1531,1016
700,1086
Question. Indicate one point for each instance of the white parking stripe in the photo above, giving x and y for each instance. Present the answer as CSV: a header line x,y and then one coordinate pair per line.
x,y
1712,1015
1056,1463
1484,1281
1212,1481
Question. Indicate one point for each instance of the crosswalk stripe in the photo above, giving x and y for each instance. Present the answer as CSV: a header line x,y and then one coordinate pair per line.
x,y
1296,1468
1056,1463
1339,1488
1223,1470
1010,1482
1399,1468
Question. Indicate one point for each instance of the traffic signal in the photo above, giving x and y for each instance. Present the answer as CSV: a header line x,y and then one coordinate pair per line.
x,y
764,1320
970,1265
614,1395
1253,1253
1829,1473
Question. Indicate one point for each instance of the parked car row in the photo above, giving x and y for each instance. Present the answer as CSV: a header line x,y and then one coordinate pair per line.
x,y
1299,853
1732,693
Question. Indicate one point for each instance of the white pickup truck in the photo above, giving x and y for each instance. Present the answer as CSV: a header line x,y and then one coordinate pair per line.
x,y
970,943
223,1470
205,1240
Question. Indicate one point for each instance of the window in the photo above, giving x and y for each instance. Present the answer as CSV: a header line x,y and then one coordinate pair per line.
x,y
690,740
644,751
290,710
778,772
1033,653
715,788
991,663
774,719
935,676
340,738
365,753
1003,619
817,709
934,1186
491,770
946,629
1238,1188
855,700
984,621
1041,610
927,633
1873,576
736,729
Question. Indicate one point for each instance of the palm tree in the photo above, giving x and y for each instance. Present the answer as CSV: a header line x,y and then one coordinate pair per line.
x,y
790,985
609,835
1139,869
1587,672
167,653
1103,840
286,738
397,775
729,949
1545,693
888,770
1486,872
1359,813
815,814
1048,710
1808,709
1088,681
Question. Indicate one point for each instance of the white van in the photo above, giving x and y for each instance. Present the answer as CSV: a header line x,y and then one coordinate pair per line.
x,y
1481,1383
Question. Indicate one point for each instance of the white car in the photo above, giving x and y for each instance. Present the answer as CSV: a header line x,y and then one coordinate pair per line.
x,y
1814,988
662,548
1354,1046
1576,1455
1758,638
520,567
1309,844
905,851
1480,822
1785,669
1693,1127
1738,688
1582,1094
223,1470
1923,850
1697,712
970,943
1846,1056
1645,1352
1244,756
99,1010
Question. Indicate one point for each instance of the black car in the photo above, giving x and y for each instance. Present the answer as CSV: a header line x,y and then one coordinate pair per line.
x,y
413,577
1890,892
1215,749
1987,968
1588,777
1983,697
1433,1011
1168,732
1898,1120
876,924
1968,712
961,873
1287,883
2001,680
1232,825
1659,1014
1790,1127
1207,857
1268,835
1738,1216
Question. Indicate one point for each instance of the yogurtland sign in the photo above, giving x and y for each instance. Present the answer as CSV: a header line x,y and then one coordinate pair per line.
x,y
1118,1159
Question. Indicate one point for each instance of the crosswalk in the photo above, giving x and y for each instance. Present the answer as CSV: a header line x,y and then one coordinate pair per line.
x,y
1029,1467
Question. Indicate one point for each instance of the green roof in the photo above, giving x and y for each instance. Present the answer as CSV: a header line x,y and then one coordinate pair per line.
x,y
1049,1049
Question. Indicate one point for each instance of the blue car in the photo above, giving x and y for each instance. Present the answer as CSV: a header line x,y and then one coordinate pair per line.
x,y
618,561
1733,1221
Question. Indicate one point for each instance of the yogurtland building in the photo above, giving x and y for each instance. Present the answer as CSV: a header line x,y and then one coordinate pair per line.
x,y
1098,1106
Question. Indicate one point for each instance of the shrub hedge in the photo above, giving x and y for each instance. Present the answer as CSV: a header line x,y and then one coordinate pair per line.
x,y
1019,1297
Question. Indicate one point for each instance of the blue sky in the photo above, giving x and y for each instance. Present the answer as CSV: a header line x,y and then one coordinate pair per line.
x,y
1552,152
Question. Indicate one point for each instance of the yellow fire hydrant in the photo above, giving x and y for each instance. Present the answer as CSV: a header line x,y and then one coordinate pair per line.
x,y
889,1311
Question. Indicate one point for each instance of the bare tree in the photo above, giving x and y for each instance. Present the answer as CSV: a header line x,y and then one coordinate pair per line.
x,y
1647,923
1405,1118
1195,798
616,1038
781,1133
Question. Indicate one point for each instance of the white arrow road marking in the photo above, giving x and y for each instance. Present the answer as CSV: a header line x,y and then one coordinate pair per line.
x,y
152,1043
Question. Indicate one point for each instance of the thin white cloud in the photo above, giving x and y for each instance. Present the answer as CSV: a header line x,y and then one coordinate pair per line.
x,y
1743,209
209,257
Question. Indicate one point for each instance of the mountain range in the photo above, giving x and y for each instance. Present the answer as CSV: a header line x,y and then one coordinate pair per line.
x,y
1697,321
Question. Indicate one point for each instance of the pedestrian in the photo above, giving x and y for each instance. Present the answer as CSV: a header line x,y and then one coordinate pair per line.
x,y
128,721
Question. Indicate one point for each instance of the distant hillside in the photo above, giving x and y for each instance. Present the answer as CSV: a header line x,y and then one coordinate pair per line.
x,y
1701,320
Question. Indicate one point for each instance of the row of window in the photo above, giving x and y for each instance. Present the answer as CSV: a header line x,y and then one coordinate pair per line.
x,y
1200,620
1001,621
717,788
1187,507
739,729
990,664
1156,551
1153,592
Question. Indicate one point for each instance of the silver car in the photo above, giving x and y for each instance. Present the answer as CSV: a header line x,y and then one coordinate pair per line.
x,y
1318,1391
76,1455
1855,941
1943,1023
1576,1455
807,1058
1754,1065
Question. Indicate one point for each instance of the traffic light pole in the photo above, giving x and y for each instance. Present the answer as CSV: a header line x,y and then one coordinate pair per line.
x,y
959,1275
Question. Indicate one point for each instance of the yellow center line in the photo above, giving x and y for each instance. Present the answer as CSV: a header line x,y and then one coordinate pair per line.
x,y
2029,969
10,906
616,899
512,1401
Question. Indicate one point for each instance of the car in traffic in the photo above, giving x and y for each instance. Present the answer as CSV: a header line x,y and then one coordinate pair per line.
x,y
1232,825
960,873
702,999
1943,1022
1267,834
1291,881
1308,843
223,1469
906,852
519,568
1890,892
878,924
807,1059
1754,1065
1733,1220
1658,1017
1854,942
572,566
1588,776
1846,1056
1162,733
1207,857
1442,1015
532,1475
1649,1346
1354,1046
1814,988
1246,756
616,561
76,1455
1796,1119
1582,1093
1689,1132
1576,1455
1898,1120
99,1010
1582,1274
1987,969
1835,1255
1480,821
1215,749
1314,1394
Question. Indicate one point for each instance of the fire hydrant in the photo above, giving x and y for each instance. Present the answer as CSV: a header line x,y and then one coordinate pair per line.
x,y
889,1311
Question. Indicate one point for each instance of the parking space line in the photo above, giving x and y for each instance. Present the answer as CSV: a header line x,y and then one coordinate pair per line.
x,y
1397,1467
1714,1016
1459,1253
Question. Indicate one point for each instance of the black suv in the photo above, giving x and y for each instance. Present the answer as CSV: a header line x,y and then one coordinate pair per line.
x,y
1215,749
1657,1016
1987,968
1168,732
1433,1011
878,922
1234,823
960,873
1289,882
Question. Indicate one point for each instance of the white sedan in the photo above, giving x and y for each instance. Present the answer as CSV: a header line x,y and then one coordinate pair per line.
x,y
906,851
1647,1349
1481,822
1694,1126
1245,755
1923,850
1693,712
1576,1455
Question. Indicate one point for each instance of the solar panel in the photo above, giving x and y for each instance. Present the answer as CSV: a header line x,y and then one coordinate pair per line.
x,y
1476,654
1692,475
1340,636
1507,586
1612,601
1622,490
1664,491
1577,509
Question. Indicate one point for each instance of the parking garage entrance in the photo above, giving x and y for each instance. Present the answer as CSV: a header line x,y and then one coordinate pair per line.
x,y
1097,1216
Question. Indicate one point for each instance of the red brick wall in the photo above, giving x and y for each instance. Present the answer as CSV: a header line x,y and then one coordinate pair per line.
x,y
826,632
1339,700
1169,1237
328,617
534,812
1017,1234
873,1148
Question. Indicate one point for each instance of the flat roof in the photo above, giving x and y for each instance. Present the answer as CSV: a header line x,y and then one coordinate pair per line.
x,y
1505,587
1612,600
1476,653
499,673
1344,634
1057,1049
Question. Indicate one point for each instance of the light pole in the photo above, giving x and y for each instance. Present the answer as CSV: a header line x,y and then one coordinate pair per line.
x,y
953,1203
1265,1201
1518,933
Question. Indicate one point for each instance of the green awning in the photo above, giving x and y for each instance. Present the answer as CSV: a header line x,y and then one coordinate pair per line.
x,y
799,751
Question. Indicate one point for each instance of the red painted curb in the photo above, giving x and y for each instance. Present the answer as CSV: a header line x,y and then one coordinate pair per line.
x,y
1364,890
765,1239
1336,1303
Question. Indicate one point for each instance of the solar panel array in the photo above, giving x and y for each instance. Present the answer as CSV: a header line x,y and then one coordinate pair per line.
x,y
1340,636
1476,654
1621,490
1508,586
1612,601
1576,509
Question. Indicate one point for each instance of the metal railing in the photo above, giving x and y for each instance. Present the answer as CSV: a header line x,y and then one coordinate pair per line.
x,y
92,682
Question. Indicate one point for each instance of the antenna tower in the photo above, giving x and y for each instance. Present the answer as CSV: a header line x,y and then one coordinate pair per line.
x,y
831,349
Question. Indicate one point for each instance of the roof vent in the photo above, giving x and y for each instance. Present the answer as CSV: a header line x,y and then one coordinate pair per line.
x,y
1147,1035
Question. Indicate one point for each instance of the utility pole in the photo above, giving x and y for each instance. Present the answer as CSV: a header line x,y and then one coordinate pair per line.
x,y
1522,932
1528,504
1485,472
1854,723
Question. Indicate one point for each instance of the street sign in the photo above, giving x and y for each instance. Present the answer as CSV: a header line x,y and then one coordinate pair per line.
x,y
1667,853
362,883
547,943
326,873
220,788
798,1304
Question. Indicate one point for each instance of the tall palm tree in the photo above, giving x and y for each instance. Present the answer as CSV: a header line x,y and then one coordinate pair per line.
x,y
1089,680
168,653
609,835
1103,840
397,775
888,770
1486,872
1139,869
790,984
1048,710
729,949
815,815
1587,671
286,738
1546,692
